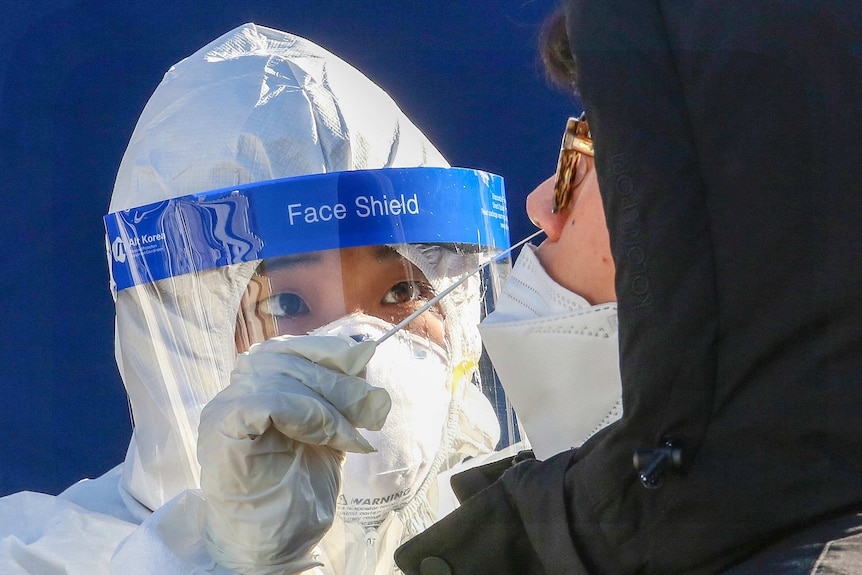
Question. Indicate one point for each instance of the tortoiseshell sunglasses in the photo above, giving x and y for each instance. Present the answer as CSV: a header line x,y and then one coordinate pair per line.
x,y
576,141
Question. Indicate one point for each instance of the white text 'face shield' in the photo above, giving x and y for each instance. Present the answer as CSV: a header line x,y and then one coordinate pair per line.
x,y
215,273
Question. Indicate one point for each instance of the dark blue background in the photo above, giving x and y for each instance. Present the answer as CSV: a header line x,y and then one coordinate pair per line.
x,y
74,76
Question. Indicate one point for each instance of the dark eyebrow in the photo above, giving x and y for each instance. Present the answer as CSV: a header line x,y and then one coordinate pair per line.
x,y
292,262
387,253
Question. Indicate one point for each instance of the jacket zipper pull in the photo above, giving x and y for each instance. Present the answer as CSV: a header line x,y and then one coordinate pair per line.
x,y
651,463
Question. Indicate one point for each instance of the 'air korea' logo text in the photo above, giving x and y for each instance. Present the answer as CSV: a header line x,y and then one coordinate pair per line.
x,y
139,245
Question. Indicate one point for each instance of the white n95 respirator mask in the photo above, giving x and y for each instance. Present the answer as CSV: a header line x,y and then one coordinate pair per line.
x,y
417,375
556,356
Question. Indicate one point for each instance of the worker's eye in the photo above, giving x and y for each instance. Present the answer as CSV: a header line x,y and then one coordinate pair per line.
x,y
408,291
287,305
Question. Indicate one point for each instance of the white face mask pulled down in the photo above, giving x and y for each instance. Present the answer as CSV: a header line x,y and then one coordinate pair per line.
x,y
556,356
416,373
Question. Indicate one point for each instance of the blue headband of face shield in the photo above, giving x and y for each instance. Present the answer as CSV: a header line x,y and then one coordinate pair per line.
x,y
304,214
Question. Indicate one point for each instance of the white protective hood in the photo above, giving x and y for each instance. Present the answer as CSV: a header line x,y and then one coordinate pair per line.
x,y
256,104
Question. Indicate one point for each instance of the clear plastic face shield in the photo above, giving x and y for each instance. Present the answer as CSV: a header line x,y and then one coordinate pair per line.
x,y
351,254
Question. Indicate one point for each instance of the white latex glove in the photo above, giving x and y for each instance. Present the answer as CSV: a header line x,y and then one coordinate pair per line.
x,y
271,446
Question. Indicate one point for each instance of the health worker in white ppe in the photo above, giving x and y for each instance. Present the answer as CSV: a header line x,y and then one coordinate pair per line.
x,y
274,215
553,334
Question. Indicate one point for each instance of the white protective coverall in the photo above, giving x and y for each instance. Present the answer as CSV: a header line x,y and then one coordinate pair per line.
x,y
255,104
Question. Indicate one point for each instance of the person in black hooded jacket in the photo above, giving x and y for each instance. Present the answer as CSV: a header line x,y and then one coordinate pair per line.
x,y
728,138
